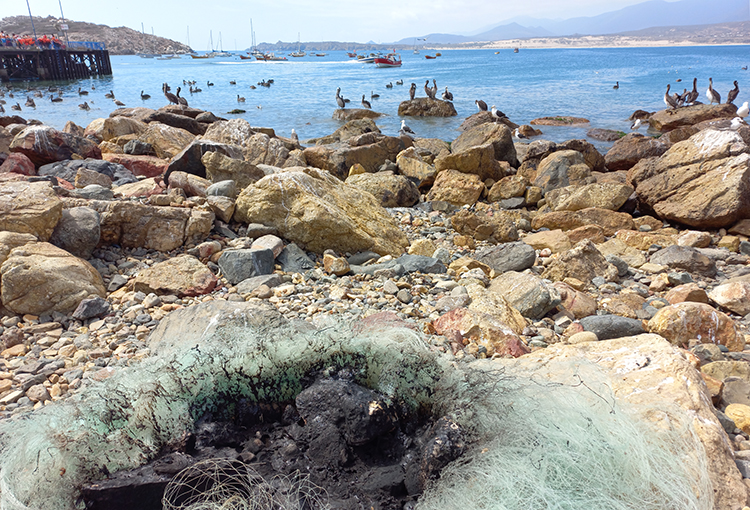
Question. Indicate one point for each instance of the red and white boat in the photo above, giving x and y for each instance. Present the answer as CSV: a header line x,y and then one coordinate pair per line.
x,y
390,60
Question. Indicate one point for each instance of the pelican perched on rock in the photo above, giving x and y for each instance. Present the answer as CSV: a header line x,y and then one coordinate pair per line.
x,y
669,100
743,110
481,105
119,103
711,94
447,96
732,95
434,89
427,89
692,96
366,103
170,97
181,100
412,90
84,106
144,96
340,100
405,130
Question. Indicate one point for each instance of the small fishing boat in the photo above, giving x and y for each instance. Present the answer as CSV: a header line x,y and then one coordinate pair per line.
x,y
515,50
246,57
299,52
367,60
270,57
320,54
390,60
430,56
205,55
352,54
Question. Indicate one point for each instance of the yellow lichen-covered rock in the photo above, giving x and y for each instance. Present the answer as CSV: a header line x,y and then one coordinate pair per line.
x,y
682,322
29,208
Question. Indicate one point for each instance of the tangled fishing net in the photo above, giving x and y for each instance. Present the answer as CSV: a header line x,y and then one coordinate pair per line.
x,y
535,442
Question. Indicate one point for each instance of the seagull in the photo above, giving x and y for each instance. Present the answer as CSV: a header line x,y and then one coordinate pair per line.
x,y
737,122
732,95
405,130
636,125
144,96
412,91
616,86
481,105
693,94
518,134
366,103
711,94
119,103
447,96
669,100
295,138
497,114
743,110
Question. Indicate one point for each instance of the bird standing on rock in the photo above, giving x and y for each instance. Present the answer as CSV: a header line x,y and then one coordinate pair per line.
x,y
692,96
743,110
497,114
340,100
447,96
406,130
412,91
181,100
669,100
732,95
481,105
636,125
170,97
711,94
427,89
366,103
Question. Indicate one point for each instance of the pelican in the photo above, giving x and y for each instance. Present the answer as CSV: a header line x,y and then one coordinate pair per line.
x,y
447,96
84,106
389,85
744,68
232,82
145,96
497,114
181,100
669,100
681,97
253,87
110,95
16,107
30,102
2,109
636,125
412,91
711,94
240,99
119,103
399,82
693,94
743,110
373,95
427,89
434,89
170,97
82,92
732,95
340,100
55,99
481,105
366,103
616,86
209,84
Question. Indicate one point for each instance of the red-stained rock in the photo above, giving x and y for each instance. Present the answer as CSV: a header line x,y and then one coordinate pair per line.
x,y
147,166
473,327
18,163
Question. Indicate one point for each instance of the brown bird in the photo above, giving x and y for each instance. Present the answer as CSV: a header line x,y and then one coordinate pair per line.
x,y
732,95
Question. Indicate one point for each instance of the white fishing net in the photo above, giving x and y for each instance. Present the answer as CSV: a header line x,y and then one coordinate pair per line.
x,y
535,442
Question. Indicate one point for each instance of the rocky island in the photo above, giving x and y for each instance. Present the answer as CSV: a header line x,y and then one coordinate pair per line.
x,y
149,239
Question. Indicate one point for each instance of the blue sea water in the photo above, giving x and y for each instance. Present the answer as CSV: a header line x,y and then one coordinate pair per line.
x,y
525,85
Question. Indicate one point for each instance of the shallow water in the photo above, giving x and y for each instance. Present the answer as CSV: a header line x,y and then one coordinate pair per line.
x,y
525,85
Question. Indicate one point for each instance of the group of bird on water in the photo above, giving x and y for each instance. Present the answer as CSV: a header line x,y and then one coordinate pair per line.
x,y
690,98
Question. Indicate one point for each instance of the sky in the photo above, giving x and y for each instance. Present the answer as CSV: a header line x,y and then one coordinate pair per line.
x,y
321,20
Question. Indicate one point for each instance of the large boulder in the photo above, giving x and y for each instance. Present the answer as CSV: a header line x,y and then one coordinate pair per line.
x,y
39,278
78,231
682,322
412,165
392,190
167,141
686,258
370,150
702,182
426,107
189,159
103,130
135,225
667,120
510,256
143,166
591,155
478,159
349,130
495,226
178,121
263,149
231,132
562,168
314,209
734,296
220,167
68,170
184,275
583,262
18,163
29,208
44,144
456,188
630,149
527,293
609,221
347,114
496,134
602,195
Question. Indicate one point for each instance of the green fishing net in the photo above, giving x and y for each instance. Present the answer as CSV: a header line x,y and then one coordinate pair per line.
x,y
535,443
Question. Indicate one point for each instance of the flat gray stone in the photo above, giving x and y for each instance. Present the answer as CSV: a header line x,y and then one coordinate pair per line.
x,y
607,327
238,265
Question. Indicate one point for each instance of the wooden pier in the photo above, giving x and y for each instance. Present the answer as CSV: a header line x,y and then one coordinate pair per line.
x,y
77,60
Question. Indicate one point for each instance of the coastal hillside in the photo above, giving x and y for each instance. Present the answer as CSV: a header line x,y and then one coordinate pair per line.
x,y
119,40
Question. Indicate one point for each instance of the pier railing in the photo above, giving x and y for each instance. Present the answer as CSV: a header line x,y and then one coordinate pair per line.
x,y
78,59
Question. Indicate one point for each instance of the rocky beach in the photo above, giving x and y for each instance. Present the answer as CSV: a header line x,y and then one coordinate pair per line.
x,y
495,251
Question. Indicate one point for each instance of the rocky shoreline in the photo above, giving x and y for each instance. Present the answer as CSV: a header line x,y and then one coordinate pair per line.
x,y
490,247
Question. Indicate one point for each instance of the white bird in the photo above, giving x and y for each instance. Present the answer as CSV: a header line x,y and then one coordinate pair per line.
x,y
737,122
497,114
295,138
518,134
711,94
406,130
743,110
636,125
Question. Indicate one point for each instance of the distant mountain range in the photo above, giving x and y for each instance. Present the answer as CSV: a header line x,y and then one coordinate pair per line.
x,y
653,13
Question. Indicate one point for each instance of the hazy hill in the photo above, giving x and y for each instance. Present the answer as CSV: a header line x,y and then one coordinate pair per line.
x,y
119,40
